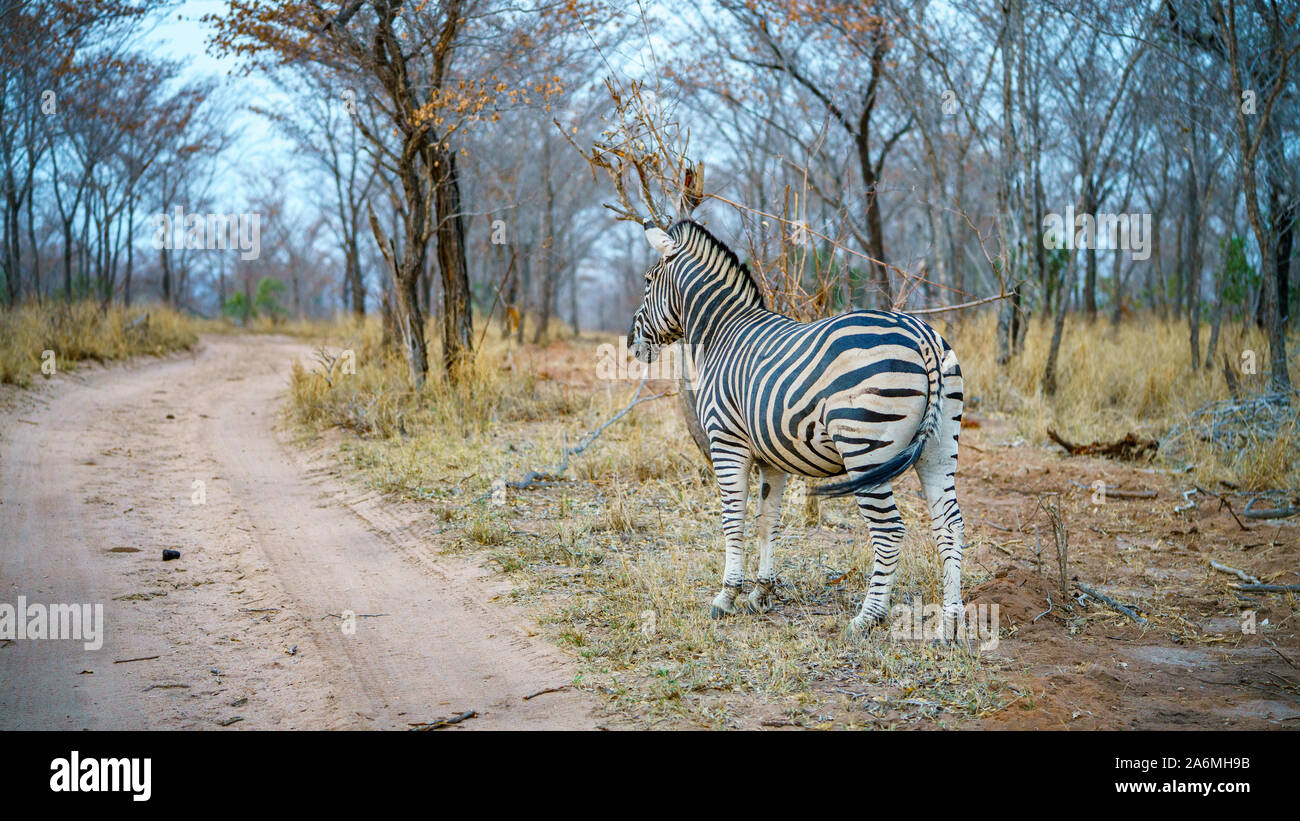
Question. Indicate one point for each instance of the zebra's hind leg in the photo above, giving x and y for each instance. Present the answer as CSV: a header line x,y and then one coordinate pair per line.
x,y
771,486
937,468
886,525
731,466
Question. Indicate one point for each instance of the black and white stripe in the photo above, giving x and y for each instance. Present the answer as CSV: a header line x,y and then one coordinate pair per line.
x,y
864,395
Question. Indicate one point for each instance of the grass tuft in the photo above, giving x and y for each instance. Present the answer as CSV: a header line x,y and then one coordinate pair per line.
x,y
81,331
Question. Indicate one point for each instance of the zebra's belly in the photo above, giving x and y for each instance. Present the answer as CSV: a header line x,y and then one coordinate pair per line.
x,y
817,436
801,446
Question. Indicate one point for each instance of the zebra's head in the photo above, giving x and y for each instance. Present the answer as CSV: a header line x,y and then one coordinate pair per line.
x,y
657,321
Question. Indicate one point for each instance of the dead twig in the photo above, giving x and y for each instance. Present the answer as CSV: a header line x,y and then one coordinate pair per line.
x,y
1187,497
141,658
1112,604
544,692
439,723
1267,588
1274,513
1241,574
1062,542
842,576
1223,502
1049,609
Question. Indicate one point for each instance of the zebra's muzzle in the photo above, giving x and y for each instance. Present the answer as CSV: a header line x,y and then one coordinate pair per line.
x,y
643,351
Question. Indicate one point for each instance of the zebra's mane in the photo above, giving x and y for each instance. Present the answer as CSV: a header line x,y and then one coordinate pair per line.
x,y
686,226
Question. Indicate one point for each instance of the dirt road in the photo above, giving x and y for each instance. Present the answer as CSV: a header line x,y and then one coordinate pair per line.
x,y
102,471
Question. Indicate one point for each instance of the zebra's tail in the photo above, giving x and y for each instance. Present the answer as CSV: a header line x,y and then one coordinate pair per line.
x,y
928,427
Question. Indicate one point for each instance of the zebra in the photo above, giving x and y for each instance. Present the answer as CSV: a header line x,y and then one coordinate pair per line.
x,y
867,393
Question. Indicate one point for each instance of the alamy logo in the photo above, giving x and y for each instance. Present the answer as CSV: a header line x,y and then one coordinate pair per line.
x,y
209,232
675,362
25,621
1122,232
77,774
919,621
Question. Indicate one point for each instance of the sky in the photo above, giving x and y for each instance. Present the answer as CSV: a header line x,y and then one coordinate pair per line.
x,y
179,35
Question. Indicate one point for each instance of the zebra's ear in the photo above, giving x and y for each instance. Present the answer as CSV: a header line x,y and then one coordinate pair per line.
x,y
659,240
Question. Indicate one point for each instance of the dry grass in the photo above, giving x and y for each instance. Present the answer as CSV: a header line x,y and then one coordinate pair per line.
x,y
300,328
1135,376
82,331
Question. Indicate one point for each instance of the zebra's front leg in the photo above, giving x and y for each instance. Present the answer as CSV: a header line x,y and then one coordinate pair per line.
x,y
771,487
877,507
732,470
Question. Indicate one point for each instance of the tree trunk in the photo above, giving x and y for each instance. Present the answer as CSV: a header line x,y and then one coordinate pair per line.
x,y
354,278
36,253
409,321
875,227
1090,253
67,259
1283,207
1193,257
525,282
573,298
546,301
1218,322
165,260
130,257
457,322
1058,326
387,327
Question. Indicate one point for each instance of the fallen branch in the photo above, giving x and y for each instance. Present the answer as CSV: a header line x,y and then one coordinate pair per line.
x,y
1049,609
544,692
141,658
1273,513
1187,497
1129,448
1223,502
1112,604
535,477
1267,588
1232,571
439,723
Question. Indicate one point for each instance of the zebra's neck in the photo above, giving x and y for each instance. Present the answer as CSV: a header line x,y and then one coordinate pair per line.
x,y
709,307
715,289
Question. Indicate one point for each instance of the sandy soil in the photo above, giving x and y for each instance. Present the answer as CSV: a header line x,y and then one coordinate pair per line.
x,y
97,478
1195,663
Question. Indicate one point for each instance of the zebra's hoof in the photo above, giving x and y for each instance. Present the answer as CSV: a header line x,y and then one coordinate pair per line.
x,y
757,602
724,604
862,625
